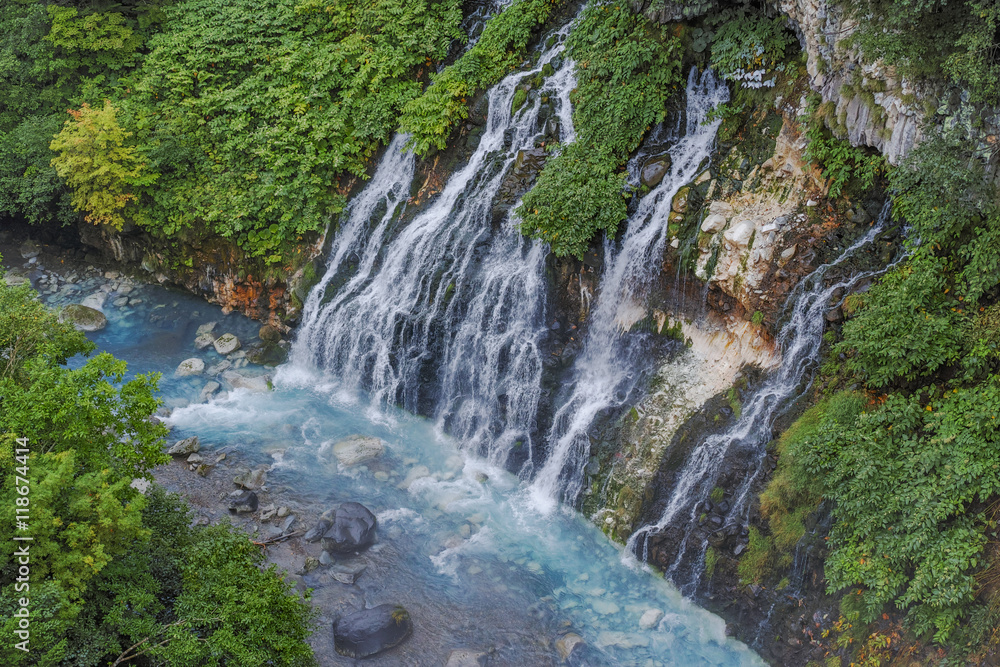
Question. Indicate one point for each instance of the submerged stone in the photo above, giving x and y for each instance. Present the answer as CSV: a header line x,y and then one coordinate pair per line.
x,y
84,318
346,574
464,657
357,449
371,631
203,341
568,644
650,619
259,383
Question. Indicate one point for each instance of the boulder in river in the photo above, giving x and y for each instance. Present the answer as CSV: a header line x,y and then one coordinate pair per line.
x,y
356,449
266,354
249,382
654,169
244,503
192,366
185,447
315,534
203,341
269,334
371,631
227,343
83,317
353,529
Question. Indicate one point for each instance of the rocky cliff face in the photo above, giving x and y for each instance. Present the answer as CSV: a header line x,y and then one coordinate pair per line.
x,y
872,104
213,268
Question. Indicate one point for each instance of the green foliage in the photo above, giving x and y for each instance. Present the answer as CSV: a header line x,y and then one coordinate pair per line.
x,y
96,163
793,494
757,562
910,326
578,194
502,46
941,193
957,38
96,41
904,480
841,162
111,568
717,494
29,331
251,130
234,612
626,68
711,560
748,47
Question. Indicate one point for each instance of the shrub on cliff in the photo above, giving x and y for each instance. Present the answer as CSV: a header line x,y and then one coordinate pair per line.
x,y
906,481
957,39
627,68
430,117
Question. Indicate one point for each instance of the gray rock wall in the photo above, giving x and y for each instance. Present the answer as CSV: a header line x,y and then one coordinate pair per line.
x,y
874,105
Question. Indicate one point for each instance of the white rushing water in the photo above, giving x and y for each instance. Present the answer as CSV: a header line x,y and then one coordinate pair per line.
x,y
799,341
444,317
608,368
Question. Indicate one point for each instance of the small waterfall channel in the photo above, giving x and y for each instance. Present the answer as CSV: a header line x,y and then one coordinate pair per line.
x,y
799,341
609,368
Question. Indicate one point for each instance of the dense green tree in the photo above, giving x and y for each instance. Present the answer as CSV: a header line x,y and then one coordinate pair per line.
x,y
114,573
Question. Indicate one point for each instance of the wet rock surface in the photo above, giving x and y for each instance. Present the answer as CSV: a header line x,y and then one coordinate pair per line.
x,y
370,631
353,529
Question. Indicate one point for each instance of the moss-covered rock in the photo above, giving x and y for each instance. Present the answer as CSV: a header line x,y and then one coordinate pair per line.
x,y
83,317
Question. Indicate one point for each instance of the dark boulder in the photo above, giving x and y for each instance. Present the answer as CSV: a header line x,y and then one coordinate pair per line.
x,y
266,354
371,631
269,334
353,529
245,502
655,168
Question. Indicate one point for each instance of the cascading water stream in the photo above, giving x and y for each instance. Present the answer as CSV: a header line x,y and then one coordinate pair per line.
x,y
389,186
608,368
446,317
799,342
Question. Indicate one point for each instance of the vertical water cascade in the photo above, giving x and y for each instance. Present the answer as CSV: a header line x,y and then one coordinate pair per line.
x,y
799,341
609,367
445,316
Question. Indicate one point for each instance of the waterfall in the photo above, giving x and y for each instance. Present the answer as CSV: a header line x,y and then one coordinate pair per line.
x,y
445,317
799,341
389,186
609,366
